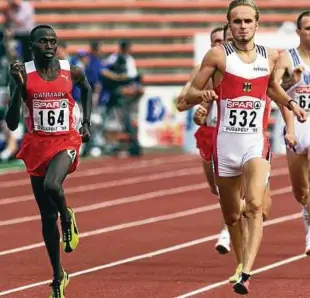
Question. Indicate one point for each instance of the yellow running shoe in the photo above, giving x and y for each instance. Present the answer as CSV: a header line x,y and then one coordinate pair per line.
x,y
234,278
70,234
58,287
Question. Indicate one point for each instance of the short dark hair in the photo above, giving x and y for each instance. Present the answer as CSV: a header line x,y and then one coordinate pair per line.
x,y
217,29
299,19
94,45
36,28
124,44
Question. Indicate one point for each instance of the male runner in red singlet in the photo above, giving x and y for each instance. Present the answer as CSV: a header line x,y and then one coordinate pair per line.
x,y
51,145
294,71
242,74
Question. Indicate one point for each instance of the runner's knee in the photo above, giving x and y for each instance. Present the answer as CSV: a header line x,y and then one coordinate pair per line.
x,y
49,218
52,187
266,210
232,219
254,208
301,195
213,189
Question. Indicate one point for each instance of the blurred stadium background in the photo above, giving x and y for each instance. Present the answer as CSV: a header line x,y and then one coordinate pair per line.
x,y
151,46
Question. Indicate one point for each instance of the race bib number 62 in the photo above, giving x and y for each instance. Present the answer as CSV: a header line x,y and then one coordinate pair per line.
x,y
244,116
302,96
51,115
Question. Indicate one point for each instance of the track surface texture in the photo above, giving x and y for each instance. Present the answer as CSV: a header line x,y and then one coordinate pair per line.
x,y
148,229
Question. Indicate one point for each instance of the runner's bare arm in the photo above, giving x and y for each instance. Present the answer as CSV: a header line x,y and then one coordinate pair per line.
x,y
180,100
282,74
290,80
195,92
275,91
80,79
287,83
17,93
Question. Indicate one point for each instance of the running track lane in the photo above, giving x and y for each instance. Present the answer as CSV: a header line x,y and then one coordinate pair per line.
x,y
137,278
184,199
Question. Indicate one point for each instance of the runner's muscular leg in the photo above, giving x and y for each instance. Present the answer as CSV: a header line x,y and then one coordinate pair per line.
x,y
255,173
56,173
266,203
298,169
208,170
49,216
229,192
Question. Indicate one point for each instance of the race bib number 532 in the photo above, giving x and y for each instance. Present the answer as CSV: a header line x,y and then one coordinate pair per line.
x,y
51,115
244,116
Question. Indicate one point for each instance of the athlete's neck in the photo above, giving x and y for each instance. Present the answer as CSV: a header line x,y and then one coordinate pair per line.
x,y
304,52
244,47
46,65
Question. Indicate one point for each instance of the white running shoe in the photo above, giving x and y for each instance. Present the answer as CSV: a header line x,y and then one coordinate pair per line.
x,y
305,217
223,242
307,250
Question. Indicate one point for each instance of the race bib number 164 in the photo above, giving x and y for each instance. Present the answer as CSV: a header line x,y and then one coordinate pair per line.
x,y
244,116
51,115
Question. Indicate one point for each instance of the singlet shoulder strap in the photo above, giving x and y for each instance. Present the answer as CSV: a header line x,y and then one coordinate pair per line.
x,y
228,49
30,67
261,50
295,58
64,65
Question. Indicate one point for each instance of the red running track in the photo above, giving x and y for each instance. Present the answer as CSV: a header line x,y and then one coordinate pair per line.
x,y
148,228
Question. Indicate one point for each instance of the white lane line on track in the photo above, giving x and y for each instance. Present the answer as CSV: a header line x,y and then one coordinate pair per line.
x,y
119,227
121,168
259,270
137,223
113,183
131,199
156,253
125,181
116,202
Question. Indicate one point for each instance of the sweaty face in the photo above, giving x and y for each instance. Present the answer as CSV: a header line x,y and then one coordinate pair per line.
x,y
243,24
217,38
45,44
304,31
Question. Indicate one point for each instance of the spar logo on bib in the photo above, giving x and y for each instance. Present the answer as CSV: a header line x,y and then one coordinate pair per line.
x,y
46,104
244,104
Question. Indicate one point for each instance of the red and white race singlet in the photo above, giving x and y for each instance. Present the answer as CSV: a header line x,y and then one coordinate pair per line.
x,y
51,116
49,107
243,111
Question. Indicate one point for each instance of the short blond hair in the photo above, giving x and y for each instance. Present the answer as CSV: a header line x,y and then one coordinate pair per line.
x,y
235,3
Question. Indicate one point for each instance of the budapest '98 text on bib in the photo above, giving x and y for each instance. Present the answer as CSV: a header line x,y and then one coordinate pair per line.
x,y
243,116
51,115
